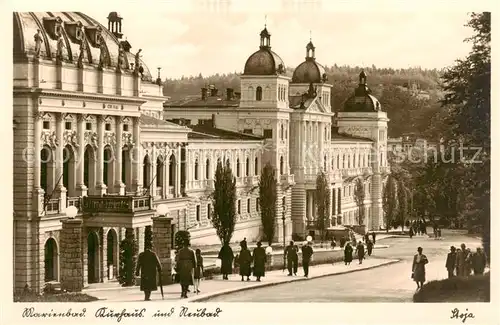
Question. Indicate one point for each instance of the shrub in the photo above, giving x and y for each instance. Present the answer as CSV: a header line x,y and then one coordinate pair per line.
x,y
128,259
457,289
181,237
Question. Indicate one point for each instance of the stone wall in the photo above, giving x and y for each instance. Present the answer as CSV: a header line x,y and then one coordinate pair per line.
x,y
71,255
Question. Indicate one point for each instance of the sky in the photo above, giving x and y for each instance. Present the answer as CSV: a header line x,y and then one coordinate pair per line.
x,y
209,42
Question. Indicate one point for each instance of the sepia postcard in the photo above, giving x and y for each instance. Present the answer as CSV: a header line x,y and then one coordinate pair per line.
x,y
247,162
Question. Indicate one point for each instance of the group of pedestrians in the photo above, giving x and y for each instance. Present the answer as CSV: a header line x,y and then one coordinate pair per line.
x,y
292,258
247,262
420,228
462,262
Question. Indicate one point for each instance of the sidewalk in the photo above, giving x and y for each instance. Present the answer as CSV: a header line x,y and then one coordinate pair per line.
x,y
217,286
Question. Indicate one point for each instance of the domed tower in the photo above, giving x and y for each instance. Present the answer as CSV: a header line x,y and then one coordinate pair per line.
x,y
311,72
264,111
362,116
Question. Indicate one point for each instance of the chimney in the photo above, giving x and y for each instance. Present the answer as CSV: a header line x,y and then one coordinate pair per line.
x,y
229,93
213,121
204,93
213,92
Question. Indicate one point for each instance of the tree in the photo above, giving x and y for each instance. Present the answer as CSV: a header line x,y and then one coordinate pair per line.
x,y
267,201
128,259
224,202
389,201
359,197
403,202
323,203
468,102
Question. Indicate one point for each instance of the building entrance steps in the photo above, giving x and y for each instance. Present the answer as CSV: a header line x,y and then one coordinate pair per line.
x,y
217,286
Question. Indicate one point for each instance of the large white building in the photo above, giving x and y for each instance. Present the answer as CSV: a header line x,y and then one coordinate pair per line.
x,y
91,131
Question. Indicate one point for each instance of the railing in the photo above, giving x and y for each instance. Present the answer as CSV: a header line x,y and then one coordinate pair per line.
x,y
351,172
252,180
115,204
73,201
288,179
159,191
52,206
171,190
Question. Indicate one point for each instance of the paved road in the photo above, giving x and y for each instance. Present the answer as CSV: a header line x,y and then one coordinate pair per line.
x,y
384,284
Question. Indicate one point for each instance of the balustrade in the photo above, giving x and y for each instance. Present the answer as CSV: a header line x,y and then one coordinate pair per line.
x,y
116,204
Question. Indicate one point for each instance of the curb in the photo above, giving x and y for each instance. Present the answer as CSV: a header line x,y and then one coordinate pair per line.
x,y
270,284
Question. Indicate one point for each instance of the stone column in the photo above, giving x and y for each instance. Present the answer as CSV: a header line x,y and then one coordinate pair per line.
x,y
177,188
376,193
71,255
100,186
81,189
161,245
152,172
38,192
165,177
330,209
119,186
137,159
60,162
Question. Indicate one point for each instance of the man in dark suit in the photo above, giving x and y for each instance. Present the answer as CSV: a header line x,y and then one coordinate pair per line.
x,y
292,258
147,264
451,260
185,263
307,253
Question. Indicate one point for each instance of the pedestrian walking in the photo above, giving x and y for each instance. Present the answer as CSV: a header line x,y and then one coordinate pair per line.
x,y
366,237
198,271
307,253
348,254
360,251
411,232
292,258
369,247
468,262
148,265
373,237
259,261
226,256
334,243
479,261
418,268
460,264
451,261
186,263
245,261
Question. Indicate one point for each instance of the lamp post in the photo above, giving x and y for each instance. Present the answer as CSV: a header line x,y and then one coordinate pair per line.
x,y
162,210
283,218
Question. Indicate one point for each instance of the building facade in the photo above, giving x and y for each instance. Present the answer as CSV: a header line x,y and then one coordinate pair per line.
x,y
93,130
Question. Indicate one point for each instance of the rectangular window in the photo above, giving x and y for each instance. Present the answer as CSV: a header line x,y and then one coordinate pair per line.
x,y
125,127
268,133
209,211
239,206
46,125
257,204
248,205
248,131
108,127
67,125
198,217
88,126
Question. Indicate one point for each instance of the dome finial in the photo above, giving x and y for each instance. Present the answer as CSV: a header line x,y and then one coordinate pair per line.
x,y
310,49
265,36
310,36
265,21
362,77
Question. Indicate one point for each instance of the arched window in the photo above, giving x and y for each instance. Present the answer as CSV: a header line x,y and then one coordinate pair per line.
x,y
247,167
159,172
324,163
196,166
354,163
207,169
338,162
281,165
282,132
258,93
256,166
238,167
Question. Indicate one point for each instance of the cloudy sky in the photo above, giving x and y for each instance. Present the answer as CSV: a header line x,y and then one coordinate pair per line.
x,y
218,41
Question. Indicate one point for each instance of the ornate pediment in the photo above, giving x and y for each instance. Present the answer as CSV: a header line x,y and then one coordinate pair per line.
x,y
53,26
127,139
49,138
109,138
70,138
91,138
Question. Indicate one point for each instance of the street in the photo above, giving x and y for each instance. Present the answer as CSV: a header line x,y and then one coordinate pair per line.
x,y
390,283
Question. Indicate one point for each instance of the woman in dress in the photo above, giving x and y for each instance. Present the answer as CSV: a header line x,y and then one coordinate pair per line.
x,y
226,256
198,271
348,254
245,261
418,268
259,261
